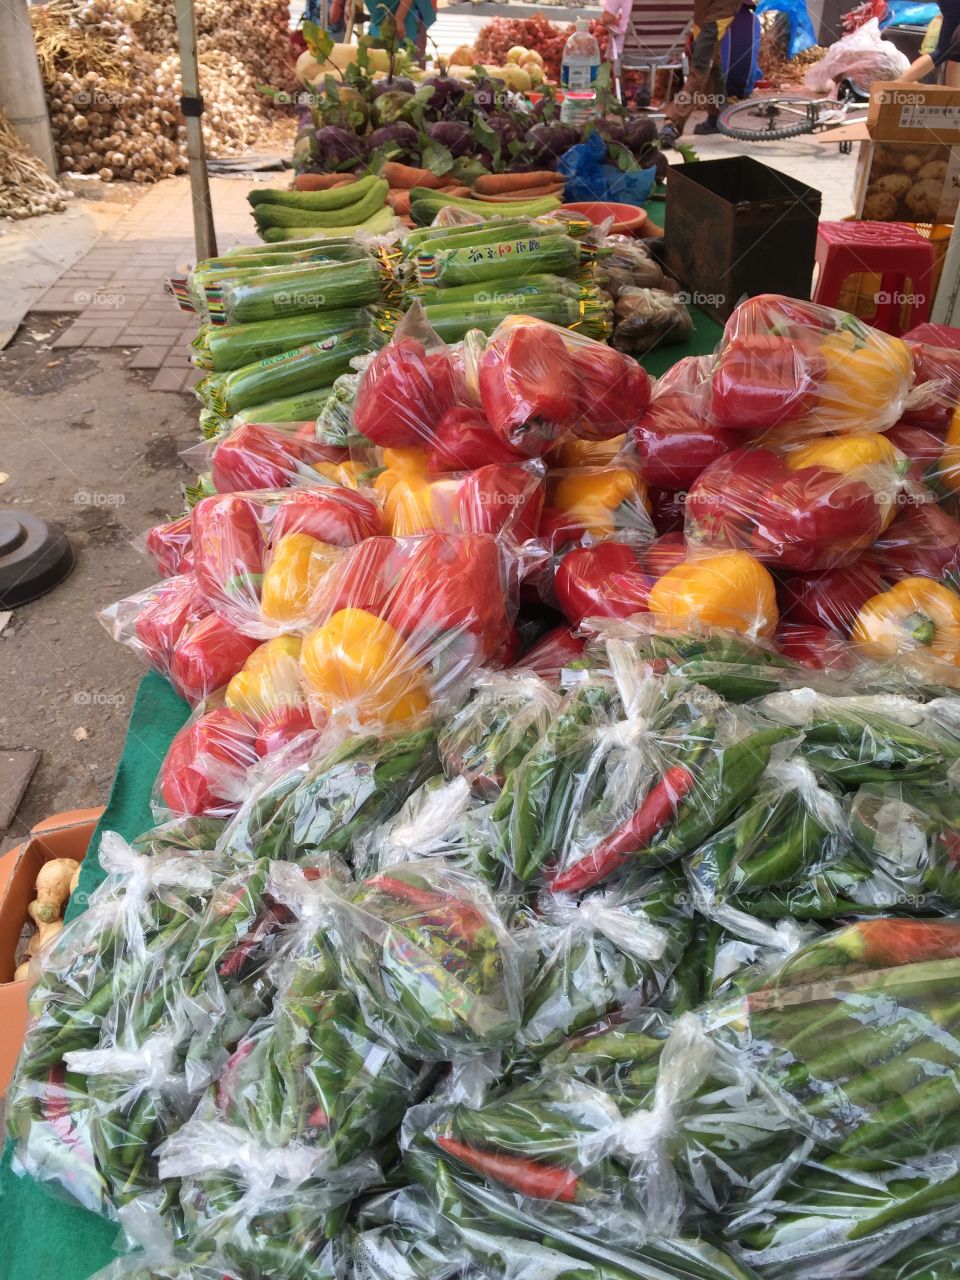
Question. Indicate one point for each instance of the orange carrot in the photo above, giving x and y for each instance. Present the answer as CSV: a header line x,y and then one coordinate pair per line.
x,y
399,200
494,184
321,181
405,176
529,193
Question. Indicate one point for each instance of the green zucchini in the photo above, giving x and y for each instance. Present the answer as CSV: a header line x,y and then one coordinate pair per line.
x,y
324,286
278,215
376,224
315,201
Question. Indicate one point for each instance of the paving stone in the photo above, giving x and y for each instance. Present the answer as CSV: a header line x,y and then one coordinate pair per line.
x,y
150,358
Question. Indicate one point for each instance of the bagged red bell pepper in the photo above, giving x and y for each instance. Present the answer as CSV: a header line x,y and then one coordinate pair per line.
x,y
407,387
464,440
924,448
614,389
936,390
206,765
258,456
170,546
810,508
613,579
801,369
207,656
501,498
676,436
923,541
667,510
833,599
819,647
554,651
262,557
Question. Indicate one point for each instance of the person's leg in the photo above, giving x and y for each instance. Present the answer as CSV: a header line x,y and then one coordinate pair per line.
x,y
952,75
692,96
715,96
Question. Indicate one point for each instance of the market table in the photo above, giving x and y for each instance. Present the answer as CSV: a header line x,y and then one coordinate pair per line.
x,y
45,1236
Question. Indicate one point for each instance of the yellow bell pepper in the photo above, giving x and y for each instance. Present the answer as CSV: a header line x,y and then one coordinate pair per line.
x,y
406,462
867,372
730,590
403,487
916,613
346,474
268,680
298,564
590,497
845,453
949,470
359,664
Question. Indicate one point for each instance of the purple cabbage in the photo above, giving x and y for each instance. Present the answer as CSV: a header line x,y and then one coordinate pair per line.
x,y
452,134
547,142
337,148
402,139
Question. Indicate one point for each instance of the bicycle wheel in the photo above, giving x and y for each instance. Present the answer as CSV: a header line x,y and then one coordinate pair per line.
x,y
772,119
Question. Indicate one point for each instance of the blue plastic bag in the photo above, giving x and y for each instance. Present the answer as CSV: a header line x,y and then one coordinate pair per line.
x,y
587,176
909,12
802,34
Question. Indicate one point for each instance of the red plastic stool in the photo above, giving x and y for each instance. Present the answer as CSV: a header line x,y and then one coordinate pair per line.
x,y
897,253
935,335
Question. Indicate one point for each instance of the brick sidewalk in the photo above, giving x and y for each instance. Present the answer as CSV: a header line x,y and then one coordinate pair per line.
x,y
118,289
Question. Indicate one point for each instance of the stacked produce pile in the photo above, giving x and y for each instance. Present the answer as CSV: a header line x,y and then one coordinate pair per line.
x,y
26,188
558,874
498,38
113,84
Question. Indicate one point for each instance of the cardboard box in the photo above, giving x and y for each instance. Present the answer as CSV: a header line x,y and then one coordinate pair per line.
x,y
65,835
907,182
921,113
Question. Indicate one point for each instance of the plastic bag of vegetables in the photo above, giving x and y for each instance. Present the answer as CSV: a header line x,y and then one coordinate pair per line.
x,y
277,456
106,982
223,347
303,289
423,949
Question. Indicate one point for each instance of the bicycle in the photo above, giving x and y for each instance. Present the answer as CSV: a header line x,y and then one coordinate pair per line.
x,y
773,119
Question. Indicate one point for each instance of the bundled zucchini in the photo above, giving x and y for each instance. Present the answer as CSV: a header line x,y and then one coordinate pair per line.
x,y
225,347
501,260
305,369
377,223
309,288
516,292
583,308
297,408
371,198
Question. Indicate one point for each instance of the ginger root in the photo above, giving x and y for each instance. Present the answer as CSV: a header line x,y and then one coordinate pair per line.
x,y
53,887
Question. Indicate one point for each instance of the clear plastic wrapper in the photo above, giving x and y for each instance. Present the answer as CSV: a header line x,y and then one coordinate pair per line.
x,y
170,546
204,771
261,557
915,617
594,503
646,318
333,800
590,957
537,383
154,1264
277,456
424,950
630,774
923,541
912,834
806,370
490,734
807,508
407,387
111,973
853,1037
300,290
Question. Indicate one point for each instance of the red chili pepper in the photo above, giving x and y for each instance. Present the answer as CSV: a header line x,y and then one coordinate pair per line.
x,y
528,386
318,1118
459,918
464,440
227,1080
658,808
894,942
528,1177
55,1105
761,381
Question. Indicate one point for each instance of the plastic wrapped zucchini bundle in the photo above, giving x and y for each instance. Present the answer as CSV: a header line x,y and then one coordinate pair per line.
x,y
593,956
425,952
133,938
222,347
303,289
495,728
334,801
441,820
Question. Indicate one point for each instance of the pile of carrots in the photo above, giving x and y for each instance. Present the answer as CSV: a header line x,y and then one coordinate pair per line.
x,y
494,188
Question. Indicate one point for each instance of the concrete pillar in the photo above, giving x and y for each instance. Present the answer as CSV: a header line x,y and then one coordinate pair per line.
x,y
21,85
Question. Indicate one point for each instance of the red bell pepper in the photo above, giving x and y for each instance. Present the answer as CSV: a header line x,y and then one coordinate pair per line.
x,y
450,584
206,762
809,519
761,381
340,517
502,498
922,446
170,546
818,647
674,444
560,529
667,510
923,542
254,457
554,651
464,440
614,391
528,386
228,546
281,727
208,656
936,386
404,392
173,606
831,599
612,579
364,577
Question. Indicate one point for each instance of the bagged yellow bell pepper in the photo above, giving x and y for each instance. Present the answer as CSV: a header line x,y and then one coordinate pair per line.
x,y
845,453
598,500
866,377
914,614
346,473
298,565
730,589
268,680
585,453
359,666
